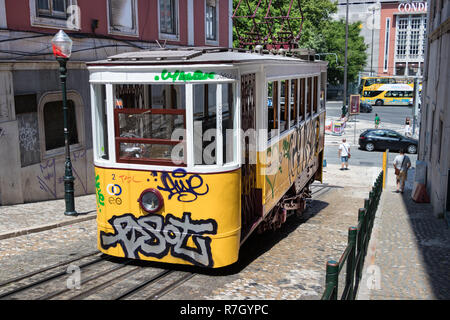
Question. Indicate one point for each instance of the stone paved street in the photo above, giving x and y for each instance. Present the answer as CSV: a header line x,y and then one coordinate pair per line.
x,y
409,247
286,264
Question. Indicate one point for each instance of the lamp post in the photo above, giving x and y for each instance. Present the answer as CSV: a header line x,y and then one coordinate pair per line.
x,y
62,49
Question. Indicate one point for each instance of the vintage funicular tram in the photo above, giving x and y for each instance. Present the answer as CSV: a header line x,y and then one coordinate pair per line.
x,y
195,149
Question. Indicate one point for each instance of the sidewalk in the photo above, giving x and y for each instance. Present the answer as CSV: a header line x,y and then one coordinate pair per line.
x,y
22,219
409,251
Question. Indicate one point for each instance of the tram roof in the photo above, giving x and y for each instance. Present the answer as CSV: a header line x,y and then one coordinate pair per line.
x,y
200,55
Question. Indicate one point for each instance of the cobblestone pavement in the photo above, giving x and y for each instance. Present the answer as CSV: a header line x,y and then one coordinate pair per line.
x,y
24,254
285,264
29,215
410,250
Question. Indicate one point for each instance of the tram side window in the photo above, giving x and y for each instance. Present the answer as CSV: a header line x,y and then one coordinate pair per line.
x,y
315,100
272,105
228,128
308,97
293,102
284,101
150,123
101,123
205,124
302,99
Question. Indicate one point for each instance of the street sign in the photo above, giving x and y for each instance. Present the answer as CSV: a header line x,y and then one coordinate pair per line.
x,y
354,104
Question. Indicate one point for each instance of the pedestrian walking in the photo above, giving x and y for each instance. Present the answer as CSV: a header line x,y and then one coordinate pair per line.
x,y
402,163
408,129
344,154
377,121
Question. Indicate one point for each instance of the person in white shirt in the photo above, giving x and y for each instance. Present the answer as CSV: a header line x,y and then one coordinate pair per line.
x,y
402,163
344,154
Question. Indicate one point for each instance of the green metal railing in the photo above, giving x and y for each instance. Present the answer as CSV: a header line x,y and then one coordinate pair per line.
x,y
354,254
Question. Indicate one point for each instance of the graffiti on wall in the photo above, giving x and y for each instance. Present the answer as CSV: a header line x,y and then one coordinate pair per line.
x,y
27,137
154,236
48,179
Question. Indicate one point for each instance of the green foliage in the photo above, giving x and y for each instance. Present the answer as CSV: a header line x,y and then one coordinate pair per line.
x,y
319,32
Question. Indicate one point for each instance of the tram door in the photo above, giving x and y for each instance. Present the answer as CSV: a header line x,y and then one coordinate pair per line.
x,y
251,197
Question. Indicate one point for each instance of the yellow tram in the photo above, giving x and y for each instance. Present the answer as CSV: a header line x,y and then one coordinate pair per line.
x,y
195,149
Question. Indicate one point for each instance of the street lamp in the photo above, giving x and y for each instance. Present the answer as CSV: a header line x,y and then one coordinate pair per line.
x,y
62,49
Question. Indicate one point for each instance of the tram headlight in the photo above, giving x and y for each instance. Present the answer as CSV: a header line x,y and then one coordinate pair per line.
x,y
151,200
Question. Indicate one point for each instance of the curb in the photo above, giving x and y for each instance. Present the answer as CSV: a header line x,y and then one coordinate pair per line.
x,y
45,227
364,292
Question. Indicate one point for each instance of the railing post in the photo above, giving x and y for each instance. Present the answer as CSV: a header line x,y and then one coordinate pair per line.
x,y
350,275
361,241
332,277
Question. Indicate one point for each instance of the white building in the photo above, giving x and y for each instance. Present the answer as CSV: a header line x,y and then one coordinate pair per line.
x,y
434,146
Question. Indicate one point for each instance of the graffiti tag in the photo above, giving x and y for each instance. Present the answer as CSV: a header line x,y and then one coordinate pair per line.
x,y
100,196
185,76
186,189
154,236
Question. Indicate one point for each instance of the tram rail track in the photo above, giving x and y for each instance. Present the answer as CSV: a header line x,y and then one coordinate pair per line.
x,y
98,280
94,282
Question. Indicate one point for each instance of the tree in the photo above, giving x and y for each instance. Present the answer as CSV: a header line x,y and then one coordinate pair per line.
x,y
319,32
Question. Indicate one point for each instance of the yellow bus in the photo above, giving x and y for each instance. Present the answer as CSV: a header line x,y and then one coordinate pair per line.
x,y
388,94
367,83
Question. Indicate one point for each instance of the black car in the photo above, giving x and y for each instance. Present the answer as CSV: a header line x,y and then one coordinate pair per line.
x,y
364,107
382,139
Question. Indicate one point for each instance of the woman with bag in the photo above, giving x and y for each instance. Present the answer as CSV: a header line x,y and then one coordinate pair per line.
x,y
402,163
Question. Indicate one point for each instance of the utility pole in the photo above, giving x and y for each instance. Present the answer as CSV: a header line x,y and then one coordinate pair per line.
x,y
346,52
373,28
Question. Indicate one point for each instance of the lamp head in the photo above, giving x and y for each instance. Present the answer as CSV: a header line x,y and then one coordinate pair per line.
x,y
62,45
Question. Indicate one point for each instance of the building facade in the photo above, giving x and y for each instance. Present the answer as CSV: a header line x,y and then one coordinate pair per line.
x,y
402,38
31,135
434,144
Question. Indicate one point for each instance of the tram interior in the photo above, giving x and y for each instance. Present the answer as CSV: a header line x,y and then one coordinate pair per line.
x,y
150,120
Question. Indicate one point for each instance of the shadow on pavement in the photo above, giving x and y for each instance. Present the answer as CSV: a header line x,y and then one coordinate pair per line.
x,y
433,242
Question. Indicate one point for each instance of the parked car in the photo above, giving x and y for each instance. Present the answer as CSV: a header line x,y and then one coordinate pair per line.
x,y
364,107
382,139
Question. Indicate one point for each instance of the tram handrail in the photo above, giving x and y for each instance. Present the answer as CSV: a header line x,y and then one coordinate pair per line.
x,y
356,250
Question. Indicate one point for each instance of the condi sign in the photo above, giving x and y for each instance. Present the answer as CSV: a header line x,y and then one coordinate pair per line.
x,y
413,6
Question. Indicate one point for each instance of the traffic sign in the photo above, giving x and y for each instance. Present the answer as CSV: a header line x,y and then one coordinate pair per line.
x,y
354,104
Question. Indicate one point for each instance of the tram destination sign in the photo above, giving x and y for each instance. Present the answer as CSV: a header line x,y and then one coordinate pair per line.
x,y
193,76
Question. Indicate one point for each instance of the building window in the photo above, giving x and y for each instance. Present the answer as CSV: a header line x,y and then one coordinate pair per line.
x,y
168,17
402,24
211,20
400,68
54,125
51,123
415,23
401,45
123,17
61,14
386,44
52,8
414,44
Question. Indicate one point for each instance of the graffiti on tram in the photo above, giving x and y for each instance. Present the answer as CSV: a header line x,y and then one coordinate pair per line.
x,y
154,236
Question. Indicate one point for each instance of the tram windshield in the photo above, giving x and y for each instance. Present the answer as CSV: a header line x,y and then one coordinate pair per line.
x,y
150,123
146,118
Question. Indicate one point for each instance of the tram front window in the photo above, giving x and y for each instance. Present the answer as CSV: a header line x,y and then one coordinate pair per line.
x,y
205,124
147,119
